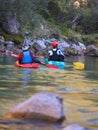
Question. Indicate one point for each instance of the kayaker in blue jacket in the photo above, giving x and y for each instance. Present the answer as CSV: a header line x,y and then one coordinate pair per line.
x,y
27,56
55,54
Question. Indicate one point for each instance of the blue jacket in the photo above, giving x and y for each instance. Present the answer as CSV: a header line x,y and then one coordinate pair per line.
x,y
26,58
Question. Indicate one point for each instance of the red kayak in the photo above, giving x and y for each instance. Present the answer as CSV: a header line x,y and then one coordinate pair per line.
x,y
30,65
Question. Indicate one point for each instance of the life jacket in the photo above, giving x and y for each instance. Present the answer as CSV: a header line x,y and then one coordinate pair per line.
x,y
26,57
56,55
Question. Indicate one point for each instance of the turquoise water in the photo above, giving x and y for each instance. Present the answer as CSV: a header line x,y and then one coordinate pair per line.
x,y
79,89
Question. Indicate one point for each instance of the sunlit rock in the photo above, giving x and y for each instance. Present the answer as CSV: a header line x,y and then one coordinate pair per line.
x,y
41,43
10,45
43,106
2,39
91,50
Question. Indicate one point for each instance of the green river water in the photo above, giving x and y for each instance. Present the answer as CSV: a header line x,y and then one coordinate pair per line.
x,y
79,89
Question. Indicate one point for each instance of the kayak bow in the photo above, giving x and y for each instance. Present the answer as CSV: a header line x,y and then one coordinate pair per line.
x,y
30,65
55,64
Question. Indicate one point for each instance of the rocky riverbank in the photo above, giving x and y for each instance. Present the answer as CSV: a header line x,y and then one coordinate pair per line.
x,y
40,46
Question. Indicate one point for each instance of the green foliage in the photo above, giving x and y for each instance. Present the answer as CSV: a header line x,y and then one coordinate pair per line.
x,y
89,21
62,5
26,10
89,39
71,34
59,16
9,37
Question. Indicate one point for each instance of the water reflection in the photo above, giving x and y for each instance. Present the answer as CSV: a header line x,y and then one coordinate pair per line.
x,y
77,87
26,76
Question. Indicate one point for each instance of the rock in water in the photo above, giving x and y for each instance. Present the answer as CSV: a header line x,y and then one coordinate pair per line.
x,y
43,106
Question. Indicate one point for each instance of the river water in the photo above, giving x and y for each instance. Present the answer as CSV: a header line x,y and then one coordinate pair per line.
x,y
79,89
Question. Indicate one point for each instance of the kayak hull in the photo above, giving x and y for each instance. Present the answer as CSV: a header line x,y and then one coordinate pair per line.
x,y
30,65
59,64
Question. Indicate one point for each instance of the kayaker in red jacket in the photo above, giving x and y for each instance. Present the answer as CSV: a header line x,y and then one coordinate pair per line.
x,y
27,56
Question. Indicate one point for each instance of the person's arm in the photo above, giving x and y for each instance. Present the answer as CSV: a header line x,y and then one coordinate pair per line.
x,y
34,58
20,57
60,53
50,53
32,54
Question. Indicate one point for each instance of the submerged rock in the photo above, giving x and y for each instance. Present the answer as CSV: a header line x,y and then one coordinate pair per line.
x,y
74,127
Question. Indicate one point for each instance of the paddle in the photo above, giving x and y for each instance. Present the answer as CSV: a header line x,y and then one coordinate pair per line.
x,y
49,65
14,55
77,65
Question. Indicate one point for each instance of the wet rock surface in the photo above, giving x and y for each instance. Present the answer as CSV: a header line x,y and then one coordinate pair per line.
x,y
42,106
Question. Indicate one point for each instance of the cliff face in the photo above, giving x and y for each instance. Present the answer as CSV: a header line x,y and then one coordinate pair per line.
x,y
11,25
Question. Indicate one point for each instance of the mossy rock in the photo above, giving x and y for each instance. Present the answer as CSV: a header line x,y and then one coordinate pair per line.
x,y
17,38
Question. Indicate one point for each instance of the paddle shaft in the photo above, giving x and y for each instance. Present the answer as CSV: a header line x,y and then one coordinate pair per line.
x,y
73,62
68,61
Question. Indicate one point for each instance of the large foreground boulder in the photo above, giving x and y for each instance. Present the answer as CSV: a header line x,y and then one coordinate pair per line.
x,y
43,106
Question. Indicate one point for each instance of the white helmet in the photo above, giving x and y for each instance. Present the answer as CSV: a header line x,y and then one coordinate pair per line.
x,y
24,48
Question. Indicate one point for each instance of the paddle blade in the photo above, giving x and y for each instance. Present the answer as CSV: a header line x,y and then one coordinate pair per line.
x,y
14,55
78,65
52,66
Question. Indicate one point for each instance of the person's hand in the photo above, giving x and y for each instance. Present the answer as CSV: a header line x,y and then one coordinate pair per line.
x,y
43,63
